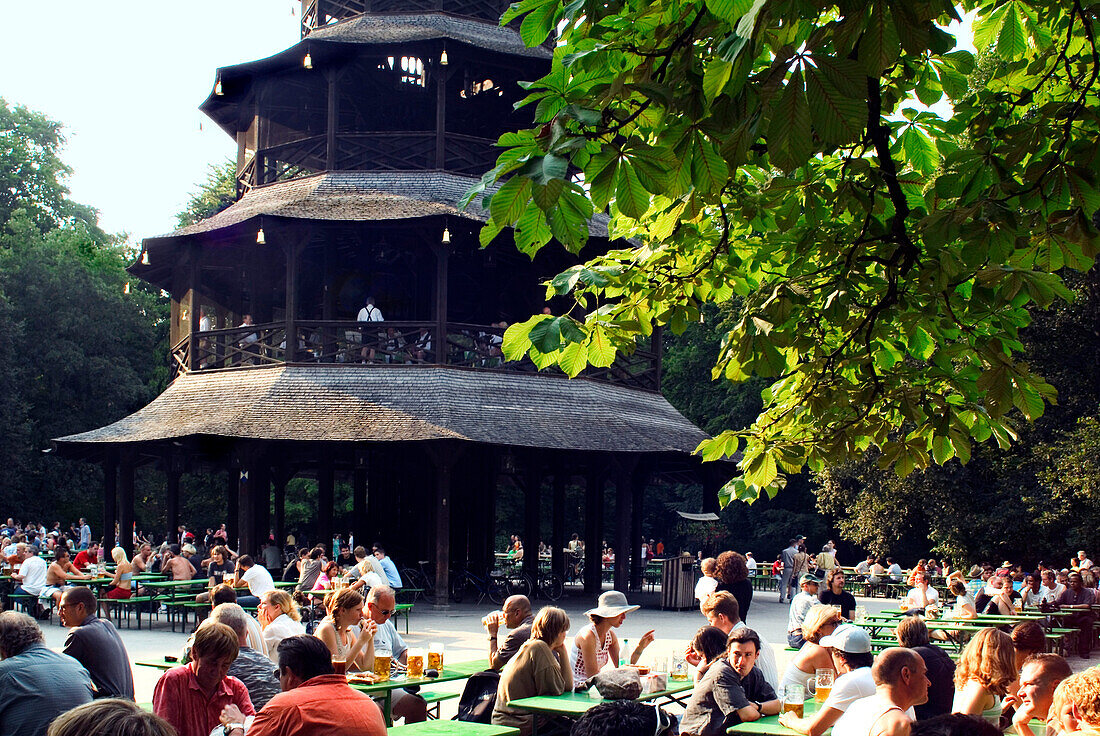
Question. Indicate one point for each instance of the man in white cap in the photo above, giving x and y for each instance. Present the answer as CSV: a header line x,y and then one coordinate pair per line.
x,y
850,648
596,644
901,681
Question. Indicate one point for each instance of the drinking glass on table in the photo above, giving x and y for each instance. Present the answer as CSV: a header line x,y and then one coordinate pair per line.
x,y
415,663
678,670
435,656
794,698
382,658
823,679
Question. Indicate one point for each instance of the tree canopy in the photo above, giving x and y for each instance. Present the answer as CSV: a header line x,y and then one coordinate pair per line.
x,y
886,254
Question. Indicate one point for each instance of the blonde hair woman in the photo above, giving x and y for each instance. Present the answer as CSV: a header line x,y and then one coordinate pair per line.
x,y
985,671
122,583
346,632
820,621
540,667
278,614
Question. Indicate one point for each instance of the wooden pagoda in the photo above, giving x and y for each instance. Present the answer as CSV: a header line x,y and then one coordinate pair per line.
x,y
354,149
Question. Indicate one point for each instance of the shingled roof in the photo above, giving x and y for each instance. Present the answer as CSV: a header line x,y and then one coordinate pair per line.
x,y
403,403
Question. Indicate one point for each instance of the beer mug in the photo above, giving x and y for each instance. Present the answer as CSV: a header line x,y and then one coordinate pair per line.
x,y
382,659
415,663
678,670
824,684
794,698
435,656
340,665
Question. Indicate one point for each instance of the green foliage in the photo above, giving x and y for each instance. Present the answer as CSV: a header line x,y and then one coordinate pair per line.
x,y
212,196
886,257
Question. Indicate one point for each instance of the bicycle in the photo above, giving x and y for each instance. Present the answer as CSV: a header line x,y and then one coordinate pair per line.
x,y
422,579
494,586
549,585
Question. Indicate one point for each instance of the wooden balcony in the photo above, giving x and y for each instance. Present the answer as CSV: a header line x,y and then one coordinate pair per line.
x,y
318,13
391,151
384,343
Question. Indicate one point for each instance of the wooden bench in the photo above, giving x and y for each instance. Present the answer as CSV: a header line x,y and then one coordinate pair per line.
x,y
447,728
133,604
433,699
405,611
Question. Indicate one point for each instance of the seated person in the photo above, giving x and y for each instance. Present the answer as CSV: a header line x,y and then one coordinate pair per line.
x,y
964,605
1039,678
850,648
516,615
800,606
733,690
86,558
57,576
921,597
540,667
997,597
821,621
347,633
835,595
219,568
707,646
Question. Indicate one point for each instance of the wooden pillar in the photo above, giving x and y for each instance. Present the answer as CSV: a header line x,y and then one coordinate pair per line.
x,y
712,483
125,504
359,500
246,511
194,277
638,480
280,478
172,499
624,543
110,498
557,534
326,491
331,120
440,116
593,529
658,351
443,455
293,251
232,517
532,509
261,517
442,253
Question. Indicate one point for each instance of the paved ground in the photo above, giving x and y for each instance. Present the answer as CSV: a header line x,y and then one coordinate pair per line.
x,y
459,628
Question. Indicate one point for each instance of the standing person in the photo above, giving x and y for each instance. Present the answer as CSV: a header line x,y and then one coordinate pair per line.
x,y
1079,599
369,313
37,683
390,569
1039,678
709,581
787,575
733,576
850,648
751,563
255,577
900,684
85,534
540,667
800,606
516,615
596,644
314,699
835,595
191,697
912,633
95,643
733,690
985,670
825,561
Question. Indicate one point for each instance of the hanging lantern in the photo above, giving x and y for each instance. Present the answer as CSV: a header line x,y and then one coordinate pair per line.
x,y
307,62
446,235
443,58
145,258
218,88
260,236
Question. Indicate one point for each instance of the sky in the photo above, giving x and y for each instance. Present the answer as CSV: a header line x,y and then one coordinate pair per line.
x,y
126,78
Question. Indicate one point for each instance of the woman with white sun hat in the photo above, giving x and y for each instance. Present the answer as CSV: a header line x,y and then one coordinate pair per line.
x,y
596,644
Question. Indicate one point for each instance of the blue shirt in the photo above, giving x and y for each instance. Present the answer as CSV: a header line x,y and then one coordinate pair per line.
x,y
391,572
39,685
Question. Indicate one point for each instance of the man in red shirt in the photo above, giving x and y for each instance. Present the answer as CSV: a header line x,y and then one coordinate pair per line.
x,y
192,697
314,701
87,557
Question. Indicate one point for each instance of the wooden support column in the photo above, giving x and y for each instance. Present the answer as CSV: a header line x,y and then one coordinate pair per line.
x,y
280,478
359,500
624,543
110,498
261,516
326,490
443,454
638,480
125,504
440,115
593,529
193,279
712,483
532,511
332,119
246,510
293,252
442,253
557,534
172,498
232,498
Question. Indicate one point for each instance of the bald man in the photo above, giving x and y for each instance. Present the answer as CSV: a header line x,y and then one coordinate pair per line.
x,y
516,615
901,682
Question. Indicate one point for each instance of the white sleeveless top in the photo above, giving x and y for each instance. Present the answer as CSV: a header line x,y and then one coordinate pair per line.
x,y
602,654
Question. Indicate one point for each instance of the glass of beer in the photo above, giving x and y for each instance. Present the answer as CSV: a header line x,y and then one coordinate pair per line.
x,y
678,670
435,656
794,699
415,663
824,679
339,665
382,658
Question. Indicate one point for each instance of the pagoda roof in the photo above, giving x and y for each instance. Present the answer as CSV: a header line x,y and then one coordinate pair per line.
x,y
389,403
380,29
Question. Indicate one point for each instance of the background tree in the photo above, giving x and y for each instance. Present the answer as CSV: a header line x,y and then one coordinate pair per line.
x,y
885,255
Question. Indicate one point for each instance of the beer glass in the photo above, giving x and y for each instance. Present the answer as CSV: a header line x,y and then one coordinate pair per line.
x,y
340,665
794,699
382,658
435,656
824,680
415,663
679,668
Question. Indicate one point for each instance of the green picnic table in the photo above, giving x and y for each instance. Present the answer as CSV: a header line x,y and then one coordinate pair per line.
x,y
576,704
770,724
451,728
159,664
451,673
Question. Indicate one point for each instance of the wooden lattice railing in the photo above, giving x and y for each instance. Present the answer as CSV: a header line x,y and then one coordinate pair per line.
x,y
384,343
318,13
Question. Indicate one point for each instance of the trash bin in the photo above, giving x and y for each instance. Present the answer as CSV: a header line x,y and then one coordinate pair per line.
x,y
678,583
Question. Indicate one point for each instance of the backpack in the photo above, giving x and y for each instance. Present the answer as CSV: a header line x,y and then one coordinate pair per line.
x,y
478,697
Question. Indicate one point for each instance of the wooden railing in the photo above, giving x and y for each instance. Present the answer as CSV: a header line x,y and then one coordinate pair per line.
x,y
390,151
318,13
384,343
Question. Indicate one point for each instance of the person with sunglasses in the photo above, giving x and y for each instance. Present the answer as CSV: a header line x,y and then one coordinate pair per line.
x,y
381,605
